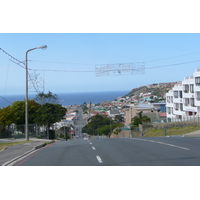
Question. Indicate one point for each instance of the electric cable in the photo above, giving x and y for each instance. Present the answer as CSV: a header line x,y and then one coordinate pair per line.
x,y
61,70
5,99
58,62
10,55
169,65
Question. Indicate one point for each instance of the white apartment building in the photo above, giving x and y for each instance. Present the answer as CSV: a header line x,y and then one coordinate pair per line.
x,y
183,100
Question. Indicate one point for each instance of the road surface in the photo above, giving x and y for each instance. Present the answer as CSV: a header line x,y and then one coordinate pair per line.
x,y
155,151
79,123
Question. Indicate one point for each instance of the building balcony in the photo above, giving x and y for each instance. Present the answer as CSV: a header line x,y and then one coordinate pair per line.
x,y
186,91
188,95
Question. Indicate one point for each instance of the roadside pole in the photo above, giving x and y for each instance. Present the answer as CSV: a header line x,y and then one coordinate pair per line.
x,y
165,131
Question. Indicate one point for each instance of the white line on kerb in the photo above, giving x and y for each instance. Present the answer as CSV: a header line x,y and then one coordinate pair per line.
x,y
162,143
99,159
93,147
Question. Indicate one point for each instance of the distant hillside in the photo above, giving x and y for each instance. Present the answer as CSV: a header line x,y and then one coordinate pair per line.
x,y
159,89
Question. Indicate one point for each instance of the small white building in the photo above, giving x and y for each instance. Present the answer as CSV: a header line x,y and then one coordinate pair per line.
x,y
183,101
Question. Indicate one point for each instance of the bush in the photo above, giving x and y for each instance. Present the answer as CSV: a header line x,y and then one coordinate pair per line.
x,y
61,135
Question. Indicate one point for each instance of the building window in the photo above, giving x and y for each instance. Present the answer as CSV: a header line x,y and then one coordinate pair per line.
x,y
198,96
197,80
181,94
168,110
192,102
186,101
181,106
190,113
186,88
168,99
176,106
171,99
191,88
175,94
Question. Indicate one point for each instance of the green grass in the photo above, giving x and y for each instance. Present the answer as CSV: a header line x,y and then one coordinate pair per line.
x,y
10,144
171,131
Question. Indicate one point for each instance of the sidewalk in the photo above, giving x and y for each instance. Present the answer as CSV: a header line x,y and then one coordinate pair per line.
x,y
13,153
193,134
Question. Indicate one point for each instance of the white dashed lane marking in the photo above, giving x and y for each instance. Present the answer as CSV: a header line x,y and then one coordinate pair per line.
x,y
99,159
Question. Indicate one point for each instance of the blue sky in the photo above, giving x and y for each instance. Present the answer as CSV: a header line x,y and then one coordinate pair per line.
x,y
81,52
110,32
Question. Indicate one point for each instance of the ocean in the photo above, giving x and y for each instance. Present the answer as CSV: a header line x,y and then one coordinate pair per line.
x,y
67,99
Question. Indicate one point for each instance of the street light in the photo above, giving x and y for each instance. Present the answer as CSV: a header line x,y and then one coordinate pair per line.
x,y
26,106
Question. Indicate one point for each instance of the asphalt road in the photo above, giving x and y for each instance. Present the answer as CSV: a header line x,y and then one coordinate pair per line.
x,y
155,151
79,123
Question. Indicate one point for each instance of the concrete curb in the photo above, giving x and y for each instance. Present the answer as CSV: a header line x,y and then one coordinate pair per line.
x,y
3,149
192,135
33,149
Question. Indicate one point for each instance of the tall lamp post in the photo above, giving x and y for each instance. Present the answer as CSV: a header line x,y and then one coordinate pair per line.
x,y
26,106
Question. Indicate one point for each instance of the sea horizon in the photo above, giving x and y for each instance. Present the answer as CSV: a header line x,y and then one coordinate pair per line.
x,y
68,98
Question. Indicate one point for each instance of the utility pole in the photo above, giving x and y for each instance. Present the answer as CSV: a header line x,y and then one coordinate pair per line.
x,y
26,102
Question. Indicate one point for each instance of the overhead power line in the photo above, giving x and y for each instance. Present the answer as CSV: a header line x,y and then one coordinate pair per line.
x,y
5,99
89,64
31,78
18,64
171,57
11,56
170,65
13,59
60,70
77,71
64,63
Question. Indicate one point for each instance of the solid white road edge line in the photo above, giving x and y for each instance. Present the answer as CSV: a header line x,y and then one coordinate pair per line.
x,y
17,159
162,143
99,159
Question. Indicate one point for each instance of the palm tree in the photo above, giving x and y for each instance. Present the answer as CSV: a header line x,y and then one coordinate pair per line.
x,y
139,119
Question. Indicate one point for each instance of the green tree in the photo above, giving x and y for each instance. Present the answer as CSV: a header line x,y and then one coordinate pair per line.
x,y
100,124
84,107
6,116
6,119
43,98
105,130
117,130
15,113
96,122
119,118
18,111
139,119
48,114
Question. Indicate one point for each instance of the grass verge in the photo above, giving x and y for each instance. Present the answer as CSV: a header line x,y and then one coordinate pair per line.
x,y
171,131
10,144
